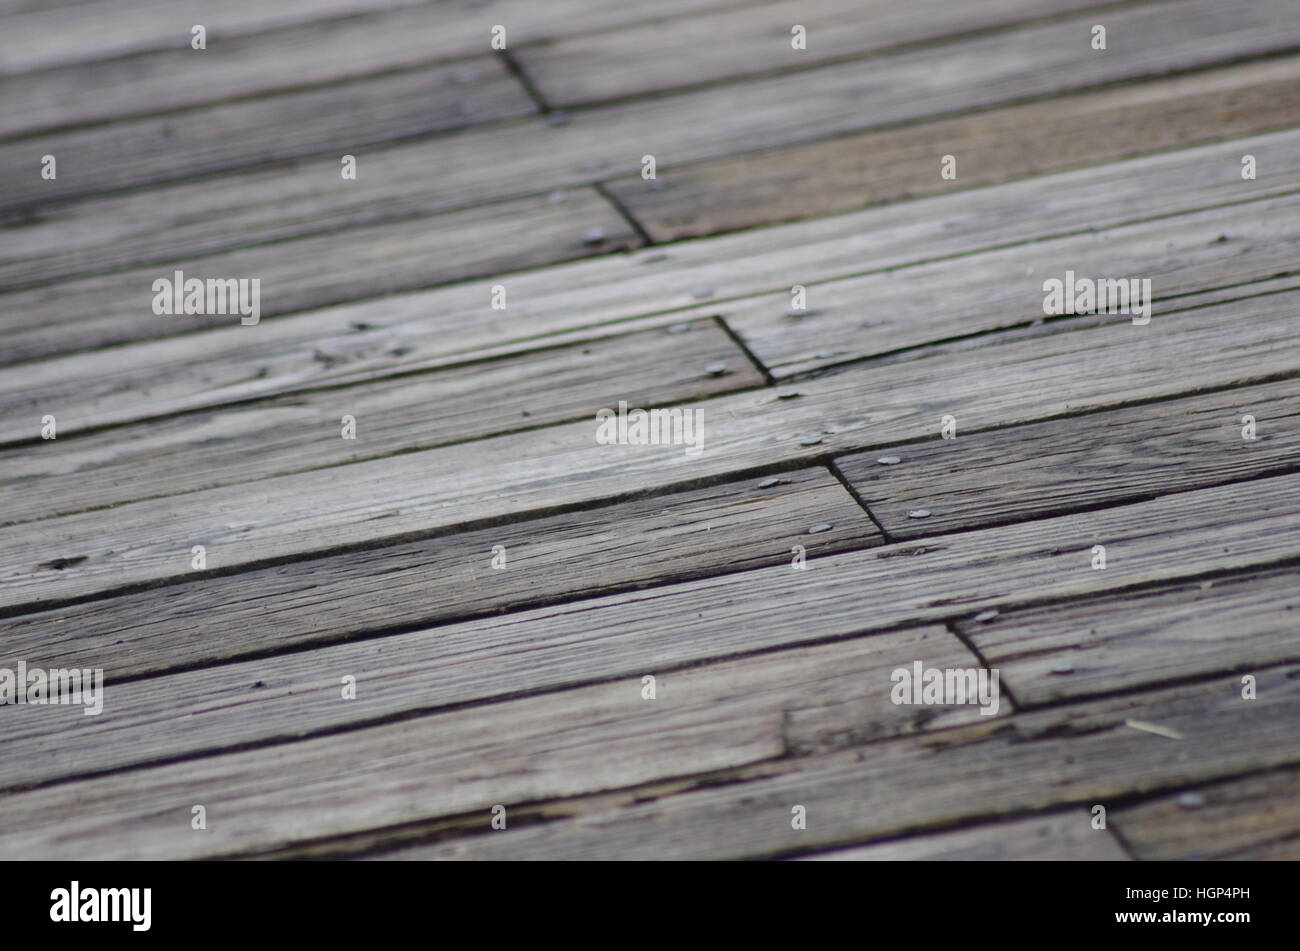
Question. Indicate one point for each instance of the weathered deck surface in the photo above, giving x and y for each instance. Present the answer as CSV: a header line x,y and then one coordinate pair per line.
x,y
480,684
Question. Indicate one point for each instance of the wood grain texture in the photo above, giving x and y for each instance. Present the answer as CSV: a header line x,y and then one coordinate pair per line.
x,y
1122,643
657,56
1072,464
335,119
558,301
993,290
1254,818
637,543
836,595
1143,40
289,697
148,541
303,431
887,313
1077,756
338,119
585,740
498,579
323,50
1062,837
992,146
43,35
382,259
367,34
610,141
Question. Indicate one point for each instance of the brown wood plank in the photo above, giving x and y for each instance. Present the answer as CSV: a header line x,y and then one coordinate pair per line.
x,y
585,740
304,431
1253,818
1082,755
1121,643
1061,837
149,541
654,57
1071,464
637,543
558,301
374,260
989,147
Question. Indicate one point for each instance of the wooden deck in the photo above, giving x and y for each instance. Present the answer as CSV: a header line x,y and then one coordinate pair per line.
x,y
917,466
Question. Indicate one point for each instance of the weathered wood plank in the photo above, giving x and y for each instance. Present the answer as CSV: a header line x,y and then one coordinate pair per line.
x,y
655,57
338,119
1253,818
148,541
990,291
1145,39
565,300
380,259
888,312
370,38
584,740
304,431
846,594
1063,837
637,543
300,694
1072,464
1068,756
989,147
1120,643
529,156
42,35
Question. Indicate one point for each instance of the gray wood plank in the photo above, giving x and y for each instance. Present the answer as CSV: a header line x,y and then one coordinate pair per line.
x,y
1082,755
148,541
635,543
1147,39
991,146
530,156
341,118
558,301
993,290
652,58
1121,643
42,33
1061,837
584,740
303,431
290,697
889,312
1072,464
834,596
336,118
357,33
1253,818
382,259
